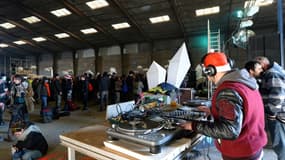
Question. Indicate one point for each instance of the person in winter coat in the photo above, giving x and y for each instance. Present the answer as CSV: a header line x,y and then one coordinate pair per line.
x,y
3,99
44,92
31,144
67,87
272,89
104,91
138,87
17,107
237,110
83,86
57,89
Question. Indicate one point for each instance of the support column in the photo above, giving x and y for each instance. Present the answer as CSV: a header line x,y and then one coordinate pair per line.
x,y
54,64
37,64
5,65
122,58
280,29
151,52
96,50
75,62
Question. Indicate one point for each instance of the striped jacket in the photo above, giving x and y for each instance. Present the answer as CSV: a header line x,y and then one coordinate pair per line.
x,y
272,89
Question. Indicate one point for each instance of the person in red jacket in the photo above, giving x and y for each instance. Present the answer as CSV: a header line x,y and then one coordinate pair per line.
x,y
237,110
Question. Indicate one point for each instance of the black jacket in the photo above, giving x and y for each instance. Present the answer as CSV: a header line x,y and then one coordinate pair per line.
x,y
57,86
33,141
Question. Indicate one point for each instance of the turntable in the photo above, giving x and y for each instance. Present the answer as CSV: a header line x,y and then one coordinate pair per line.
x,y
153,132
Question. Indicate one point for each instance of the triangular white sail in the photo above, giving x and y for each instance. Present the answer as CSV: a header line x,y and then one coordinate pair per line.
x,y
155,75
178,67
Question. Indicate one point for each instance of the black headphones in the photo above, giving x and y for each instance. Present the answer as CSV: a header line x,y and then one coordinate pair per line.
x,y
209,70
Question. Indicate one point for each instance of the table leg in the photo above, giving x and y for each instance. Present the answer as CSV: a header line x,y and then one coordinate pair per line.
x,y
71,153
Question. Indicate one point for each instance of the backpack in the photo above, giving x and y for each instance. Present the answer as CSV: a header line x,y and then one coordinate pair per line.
x,y
90,87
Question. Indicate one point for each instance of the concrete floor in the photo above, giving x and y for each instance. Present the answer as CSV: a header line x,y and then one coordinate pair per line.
x,y
79,119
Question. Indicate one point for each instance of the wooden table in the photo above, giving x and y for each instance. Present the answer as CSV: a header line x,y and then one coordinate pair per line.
x,y
90,141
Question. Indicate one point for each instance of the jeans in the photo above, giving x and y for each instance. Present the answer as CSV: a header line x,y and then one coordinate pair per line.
x,y
44,101
277,135
104,100
58,101
27,155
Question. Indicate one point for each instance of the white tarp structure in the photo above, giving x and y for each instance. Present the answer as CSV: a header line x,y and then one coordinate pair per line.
x,y
155,75
178,67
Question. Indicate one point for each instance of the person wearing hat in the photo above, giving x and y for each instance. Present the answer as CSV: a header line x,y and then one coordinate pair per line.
x,y
272,89
237,111
31,144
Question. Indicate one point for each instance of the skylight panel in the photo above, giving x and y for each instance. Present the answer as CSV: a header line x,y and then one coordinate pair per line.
x,y
208,11
121,25
62,35
97,4
61,12
88,30
39,39
20,42
7,25
258,3
3,45
31,19
159,19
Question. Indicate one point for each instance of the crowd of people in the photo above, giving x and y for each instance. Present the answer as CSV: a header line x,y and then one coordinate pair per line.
x,y
19,95
67,92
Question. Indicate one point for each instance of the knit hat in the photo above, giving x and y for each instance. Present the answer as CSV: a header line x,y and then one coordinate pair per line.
x,y
218,60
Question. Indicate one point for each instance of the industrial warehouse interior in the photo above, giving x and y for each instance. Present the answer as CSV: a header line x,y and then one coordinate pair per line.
x,y
121,79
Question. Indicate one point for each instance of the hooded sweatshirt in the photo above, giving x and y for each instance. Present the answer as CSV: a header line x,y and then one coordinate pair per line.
x,y
32,139
238,114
